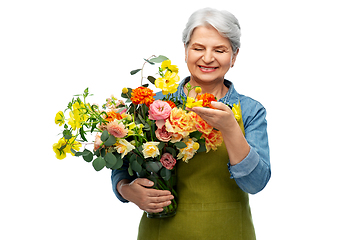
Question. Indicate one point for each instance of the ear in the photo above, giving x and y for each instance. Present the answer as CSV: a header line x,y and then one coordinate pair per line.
x,y
234,58
186,52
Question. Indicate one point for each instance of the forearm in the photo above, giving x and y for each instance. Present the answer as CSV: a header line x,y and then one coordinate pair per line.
x,y
119,177
120,185
252,174
235,142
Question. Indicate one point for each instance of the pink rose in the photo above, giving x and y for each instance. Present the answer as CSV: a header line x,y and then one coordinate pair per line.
x,y
159,110
117,129
97,142
168,161
162,134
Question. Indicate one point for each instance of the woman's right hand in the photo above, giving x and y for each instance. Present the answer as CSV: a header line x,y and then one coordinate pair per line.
x,y
147,199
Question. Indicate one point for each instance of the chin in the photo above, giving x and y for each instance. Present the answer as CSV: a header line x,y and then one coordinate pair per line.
x,y
207,78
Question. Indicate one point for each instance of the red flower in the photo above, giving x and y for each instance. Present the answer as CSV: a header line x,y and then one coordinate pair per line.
x,y
172,104
168,161
207,99
142,95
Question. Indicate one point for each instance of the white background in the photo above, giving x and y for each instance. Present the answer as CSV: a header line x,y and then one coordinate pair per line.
x,y
300,59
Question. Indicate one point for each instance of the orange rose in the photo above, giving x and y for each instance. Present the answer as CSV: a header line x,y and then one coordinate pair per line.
x,y
200,124
212,140
180,122
142,95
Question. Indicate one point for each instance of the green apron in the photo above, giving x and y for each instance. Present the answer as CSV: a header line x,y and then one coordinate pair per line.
x,y
210,204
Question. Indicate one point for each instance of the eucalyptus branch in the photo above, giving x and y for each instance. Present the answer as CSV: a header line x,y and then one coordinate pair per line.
x,y
142,69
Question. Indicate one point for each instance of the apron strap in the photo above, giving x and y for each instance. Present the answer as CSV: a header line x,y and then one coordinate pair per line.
x,y
240,121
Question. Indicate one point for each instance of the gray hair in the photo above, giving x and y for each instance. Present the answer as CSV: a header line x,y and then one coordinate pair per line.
x,y
223,21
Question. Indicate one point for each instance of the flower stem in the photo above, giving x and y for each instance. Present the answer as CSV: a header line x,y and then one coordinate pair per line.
x,y
142,69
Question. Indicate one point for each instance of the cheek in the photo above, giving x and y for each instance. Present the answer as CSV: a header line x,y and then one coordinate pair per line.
x,y
226,61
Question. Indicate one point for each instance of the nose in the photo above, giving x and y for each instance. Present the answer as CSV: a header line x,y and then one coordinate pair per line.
x,y
208,57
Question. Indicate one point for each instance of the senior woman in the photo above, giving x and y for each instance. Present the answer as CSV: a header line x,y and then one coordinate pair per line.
x,y
213,188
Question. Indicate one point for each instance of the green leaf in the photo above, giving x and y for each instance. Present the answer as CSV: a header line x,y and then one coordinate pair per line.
x,y
82,134
142,174
128,94
153,166
151,79
171,150
99,163
88,155
130,171
110,141
110,160
196,135
118,164
131,109
165,174
104,136
121,109
135,71
146,127
102,152
149,61
136,166
158,59
93,127
67,134
161,145
140,160
77,154
142,120
132,158
202,147
180,145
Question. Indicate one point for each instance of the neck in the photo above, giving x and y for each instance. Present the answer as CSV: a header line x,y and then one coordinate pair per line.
x,y
217,87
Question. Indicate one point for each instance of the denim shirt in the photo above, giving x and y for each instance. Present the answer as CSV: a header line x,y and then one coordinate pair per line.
x,y
253,172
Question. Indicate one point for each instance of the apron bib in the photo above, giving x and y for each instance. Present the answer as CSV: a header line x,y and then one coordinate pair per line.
x,y
210,204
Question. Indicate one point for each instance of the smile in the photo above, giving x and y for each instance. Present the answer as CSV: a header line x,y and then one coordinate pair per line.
x,y
207,69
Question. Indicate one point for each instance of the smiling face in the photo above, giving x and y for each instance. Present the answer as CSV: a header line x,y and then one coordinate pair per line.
x,y
208,55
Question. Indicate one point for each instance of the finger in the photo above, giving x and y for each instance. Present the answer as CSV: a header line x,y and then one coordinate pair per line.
x,y
161,199
144,182
158,193
219,105
158,207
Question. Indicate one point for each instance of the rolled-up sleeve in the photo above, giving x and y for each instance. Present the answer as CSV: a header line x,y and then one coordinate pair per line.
x,y
118,175
253,172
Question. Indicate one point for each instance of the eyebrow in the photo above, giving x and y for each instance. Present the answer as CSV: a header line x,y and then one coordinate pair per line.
x,y
216,47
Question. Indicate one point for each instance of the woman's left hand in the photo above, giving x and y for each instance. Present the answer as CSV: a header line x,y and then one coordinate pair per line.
x,y
221,118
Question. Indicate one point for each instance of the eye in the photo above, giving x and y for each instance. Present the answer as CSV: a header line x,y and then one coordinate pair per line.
x,y
219,51
198,49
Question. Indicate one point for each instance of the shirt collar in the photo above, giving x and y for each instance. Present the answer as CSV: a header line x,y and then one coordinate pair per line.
x,y
226,99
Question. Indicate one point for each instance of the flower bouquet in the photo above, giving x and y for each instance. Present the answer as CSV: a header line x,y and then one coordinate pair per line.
x,y
139,134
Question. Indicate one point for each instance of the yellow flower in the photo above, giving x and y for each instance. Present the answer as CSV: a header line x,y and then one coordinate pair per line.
x,y
59,151
191,102
150,149
75,145
62,147
237,111
168,84
198,90
78,115
167,65
125,90
188,152
135,129
59,118
74,120
123,147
